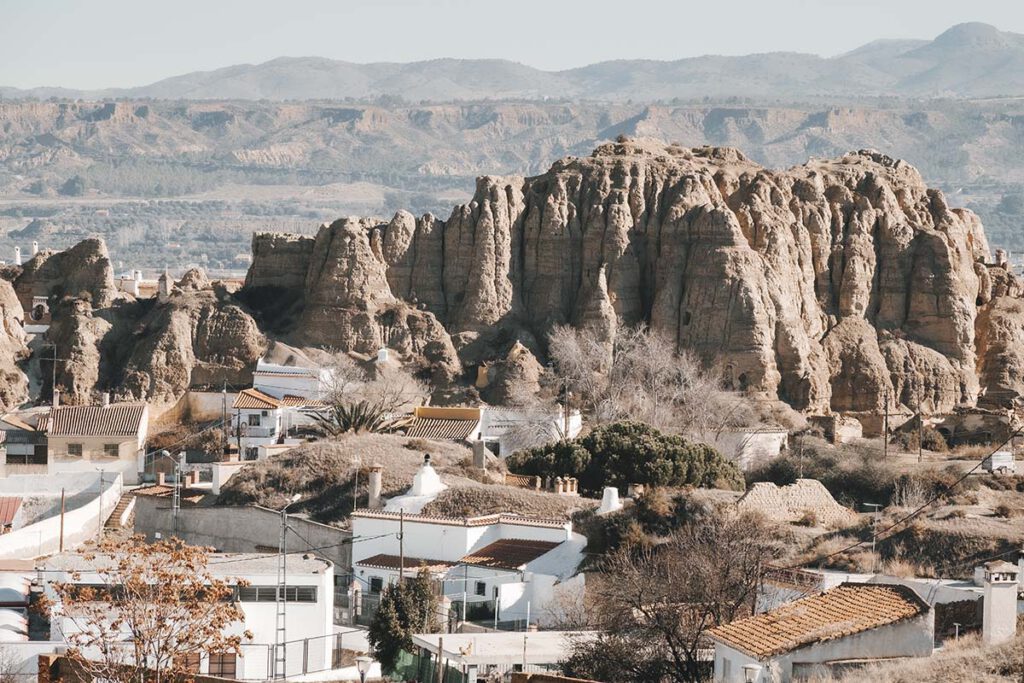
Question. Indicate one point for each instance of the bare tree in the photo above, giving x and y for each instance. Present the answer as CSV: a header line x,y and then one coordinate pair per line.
x,y
374,399
642,377
654,606
155,607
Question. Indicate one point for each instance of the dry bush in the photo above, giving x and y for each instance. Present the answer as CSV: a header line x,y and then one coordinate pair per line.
x,y
1005,511
809,518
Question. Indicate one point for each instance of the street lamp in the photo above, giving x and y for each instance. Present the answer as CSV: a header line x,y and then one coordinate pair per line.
x,y
363,665
751,672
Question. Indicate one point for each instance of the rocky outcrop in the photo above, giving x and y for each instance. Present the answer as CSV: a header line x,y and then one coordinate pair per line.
x,y
78,333
836,285
13,382
84,269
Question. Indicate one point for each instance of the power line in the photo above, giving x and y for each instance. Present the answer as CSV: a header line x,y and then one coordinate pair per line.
x,y
877,536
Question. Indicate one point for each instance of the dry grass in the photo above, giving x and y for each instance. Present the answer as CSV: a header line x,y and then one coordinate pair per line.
x,y
965,661
323,473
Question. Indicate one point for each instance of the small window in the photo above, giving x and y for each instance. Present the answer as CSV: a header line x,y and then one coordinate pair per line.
x,y
222,665
252,453
254,420
187,663
481,588
376,584
75,449
111,450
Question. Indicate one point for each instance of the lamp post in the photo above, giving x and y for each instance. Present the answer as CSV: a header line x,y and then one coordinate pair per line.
x,y
751,672
280,637
363,666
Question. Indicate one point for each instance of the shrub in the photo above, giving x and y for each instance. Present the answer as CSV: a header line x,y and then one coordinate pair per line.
x,y
624,453
1005,511
809,518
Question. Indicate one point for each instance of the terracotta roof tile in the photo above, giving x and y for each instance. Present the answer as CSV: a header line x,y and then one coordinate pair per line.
x,y
447,430
509,553
117,419
254,399
385,561
845,610
289,400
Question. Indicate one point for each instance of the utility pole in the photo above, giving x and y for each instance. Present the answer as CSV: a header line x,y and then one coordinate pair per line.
x,y
62,520
920,425
874,533
401,548
440,669
885,427
282,598
224,422
355,483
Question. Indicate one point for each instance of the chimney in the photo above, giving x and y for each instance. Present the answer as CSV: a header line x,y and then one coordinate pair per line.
x,y
479,455
35,247
609,501
382,355
56,397
17,256
106,399
999,620
375,486
161,478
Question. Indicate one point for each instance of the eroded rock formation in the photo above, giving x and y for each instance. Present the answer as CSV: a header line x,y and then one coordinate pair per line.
x,y
840,284
13,382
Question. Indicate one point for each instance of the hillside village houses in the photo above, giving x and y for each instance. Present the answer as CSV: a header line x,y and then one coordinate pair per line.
x,y
311,644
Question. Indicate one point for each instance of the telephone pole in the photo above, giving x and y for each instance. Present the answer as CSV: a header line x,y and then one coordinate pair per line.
x,y
920,425
885,427
401,548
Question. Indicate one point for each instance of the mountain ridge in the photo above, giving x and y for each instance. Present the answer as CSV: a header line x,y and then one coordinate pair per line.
x,y
966,60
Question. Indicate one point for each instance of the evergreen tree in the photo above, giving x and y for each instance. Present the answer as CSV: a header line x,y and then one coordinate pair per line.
x,y
404,609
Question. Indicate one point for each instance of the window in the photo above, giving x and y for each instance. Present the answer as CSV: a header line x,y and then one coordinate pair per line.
x,y
38,457
376,584
75,449
222,665
254,420
252,453
481,588
111,450
188,663
269,594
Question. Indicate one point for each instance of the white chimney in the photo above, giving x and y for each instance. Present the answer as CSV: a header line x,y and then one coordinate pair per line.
x,y
137,275
382,355
17,256
999,617
609,501
56,397
106,399
35,247
375,486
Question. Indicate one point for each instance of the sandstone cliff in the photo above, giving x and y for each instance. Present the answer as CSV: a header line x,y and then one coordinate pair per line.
x,y
13,382
836,285
83,269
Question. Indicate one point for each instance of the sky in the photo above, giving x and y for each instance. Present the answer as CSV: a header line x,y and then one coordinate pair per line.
x,y
122,43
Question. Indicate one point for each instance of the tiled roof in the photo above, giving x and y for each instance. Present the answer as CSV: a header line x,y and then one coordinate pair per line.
x,y
290,401
254,399
843,611
9,506
448,430
117,419
384,561
509,553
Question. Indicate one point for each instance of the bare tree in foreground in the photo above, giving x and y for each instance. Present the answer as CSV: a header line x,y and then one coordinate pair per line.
x,y
654,606
643,378
153,608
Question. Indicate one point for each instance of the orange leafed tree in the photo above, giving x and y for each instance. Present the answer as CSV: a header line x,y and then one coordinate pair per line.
x,y
147,611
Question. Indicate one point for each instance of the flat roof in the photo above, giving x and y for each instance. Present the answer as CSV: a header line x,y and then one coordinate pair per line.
x,y
221,564
509,647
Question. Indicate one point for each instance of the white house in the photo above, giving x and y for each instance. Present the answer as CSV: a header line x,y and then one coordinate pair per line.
x,y
304,381
261,420
309,613
503,430
848,625
514,564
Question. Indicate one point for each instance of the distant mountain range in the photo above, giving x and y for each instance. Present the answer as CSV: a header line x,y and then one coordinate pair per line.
x,y
967,61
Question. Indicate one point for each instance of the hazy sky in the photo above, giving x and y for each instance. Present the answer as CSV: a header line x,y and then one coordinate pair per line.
x,y
98,43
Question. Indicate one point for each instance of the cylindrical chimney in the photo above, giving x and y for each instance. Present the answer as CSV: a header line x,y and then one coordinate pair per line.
x,y
56,397
17,256
376,486
35,247
106,399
